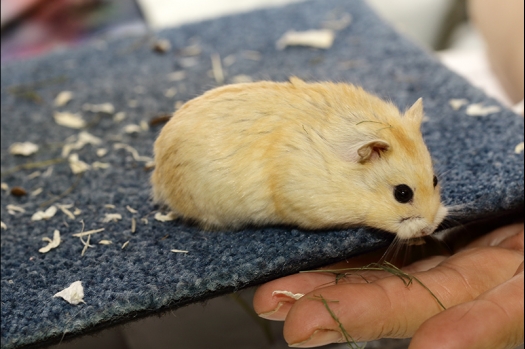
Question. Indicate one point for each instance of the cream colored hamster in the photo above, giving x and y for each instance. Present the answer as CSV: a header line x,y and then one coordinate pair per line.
x,y
312,155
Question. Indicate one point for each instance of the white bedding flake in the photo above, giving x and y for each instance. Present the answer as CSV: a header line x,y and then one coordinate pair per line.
x,y
37,191
133,152
2,224
477,109
71,120
34,175
133,224
105,242
44,215
124,245
101,152
77,166
13,209
5,186
179,251
131,209
100,165
118,117
109,206
177,75
322,38
295,296
48,172
164,217
112,217
457,103
519,148
144,125
51,243
74,294
82,139
86,245
229,60
218,73
63,98
66,211
132,128
89,232
171,92
77,211
107,108
23,149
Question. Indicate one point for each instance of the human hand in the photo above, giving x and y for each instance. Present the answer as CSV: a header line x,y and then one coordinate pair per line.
x,y
481,285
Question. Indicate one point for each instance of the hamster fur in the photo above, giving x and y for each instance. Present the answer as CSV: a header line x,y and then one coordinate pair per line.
x,y
313,155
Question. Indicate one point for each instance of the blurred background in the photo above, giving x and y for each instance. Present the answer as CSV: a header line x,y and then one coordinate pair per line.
x,y
33,27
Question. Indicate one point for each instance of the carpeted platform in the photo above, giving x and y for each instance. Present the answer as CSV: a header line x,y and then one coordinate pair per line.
x,y
475,156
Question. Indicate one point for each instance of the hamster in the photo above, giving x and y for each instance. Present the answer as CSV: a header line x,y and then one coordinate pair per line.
x,y
312,155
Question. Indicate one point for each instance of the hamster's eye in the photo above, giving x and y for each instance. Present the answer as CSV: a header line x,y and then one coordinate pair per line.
x,y
403,193
435,181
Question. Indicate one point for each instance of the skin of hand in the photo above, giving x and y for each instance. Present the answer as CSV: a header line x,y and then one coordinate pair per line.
x,y
481,285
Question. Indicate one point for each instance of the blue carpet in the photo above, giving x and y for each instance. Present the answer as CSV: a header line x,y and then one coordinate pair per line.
x,y
475,157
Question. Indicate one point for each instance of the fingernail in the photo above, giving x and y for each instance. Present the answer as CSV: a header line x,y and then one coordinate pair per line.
x,y
271,315
318,338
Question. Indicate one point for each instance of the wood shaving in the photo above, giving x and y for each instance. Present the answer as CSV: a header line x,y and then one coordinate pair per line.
x,y
164,217
478,109
229,60
13,209
457,103
89,232
295,296
44,215
144,220
37,191
71,120
63,98
132,210
124,245
519,148
82,139
34,175
252,55
218,73
86,245
105,242
118,117
77,211
2,224
74,294
112,217
66,211
109,206
177,75
238,79
132,128
338,24
101,152
77,166
106,108
100,165
5,186
322,38
133,224
171,92
179,251
48,172
144,125
51,243
23,149
133,152
193,50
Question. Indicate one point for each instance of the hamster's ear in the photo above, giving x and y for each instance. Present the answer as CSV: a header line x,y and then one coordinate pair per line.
x,y
363,152
415,112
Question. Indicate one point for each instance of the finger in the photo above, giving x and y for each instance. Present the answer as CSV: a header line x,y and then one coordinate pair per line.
x,y
493,320
387,308
496,237
270,302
